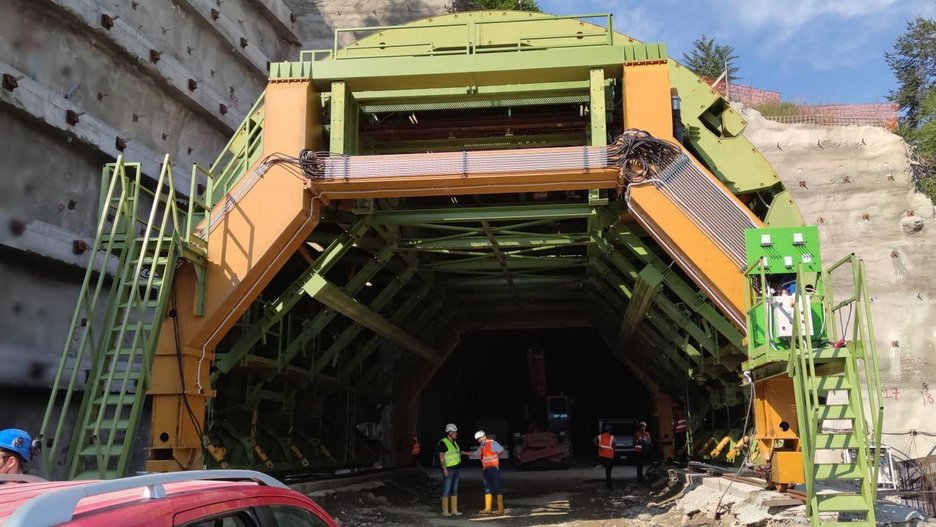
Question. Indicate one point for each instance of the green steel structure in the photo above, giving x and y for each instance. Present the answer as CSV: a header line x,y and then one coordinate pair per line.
x,y
363,314
827,347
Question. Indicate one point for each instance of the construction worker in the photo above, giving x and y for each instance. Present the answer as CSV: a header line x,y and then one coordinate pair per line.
x,y
415,450
16,448
605,442
450,459
679,433
489,454
643,443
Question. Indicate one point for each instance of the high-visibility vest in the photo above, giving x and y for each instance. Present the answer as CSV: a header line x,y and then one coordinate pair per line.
x,y
415,450
452,453
680,426
489,457
606,445
642,439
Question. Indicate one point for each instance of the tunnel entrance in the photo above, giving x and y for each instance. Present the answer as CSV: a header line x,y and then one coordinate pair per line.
x,y
503,381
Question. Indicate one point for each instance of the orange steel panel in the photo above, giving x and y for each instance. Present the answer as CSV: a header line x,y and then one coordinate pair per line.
x,y
246,249
700,257
647,103
458,184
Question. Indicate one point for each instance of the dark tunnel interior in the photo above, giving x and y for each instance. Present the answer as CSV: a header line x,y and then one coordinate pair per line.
x,y
487,383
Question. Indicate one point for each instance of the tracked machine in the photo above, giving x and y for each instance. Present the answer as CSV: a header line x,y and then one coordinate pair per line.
x,y
489,170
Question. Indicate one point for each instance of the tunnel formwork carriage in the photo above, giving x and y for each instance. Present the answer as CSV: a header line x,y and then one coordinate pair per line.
x,y
469,172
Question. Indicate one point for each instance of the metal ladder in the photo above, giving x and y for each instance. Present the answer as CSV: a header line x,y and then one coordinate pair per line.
x,y
115,328
827,377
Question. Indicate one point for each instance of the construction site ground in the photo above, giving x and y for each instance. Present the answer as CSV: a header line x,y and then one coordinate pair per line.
x,y
572,497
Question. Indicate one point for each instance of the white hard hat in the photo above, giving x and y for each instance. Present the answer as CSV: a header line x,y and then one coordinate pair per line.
x,y
451,428
479,434
642,423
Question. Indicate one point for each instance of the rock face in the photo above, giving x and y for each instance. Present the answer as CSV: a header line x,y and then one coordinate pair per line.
x,y
855,183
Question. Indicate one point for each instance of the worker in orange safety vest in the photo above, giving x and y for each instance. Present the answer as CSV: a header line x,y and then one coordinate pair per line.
x,y
415,450
643,444
489,453
680,434
605,442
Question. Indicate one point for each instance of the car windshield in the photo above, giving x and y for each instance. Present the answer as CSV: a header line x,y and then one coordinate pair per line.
x,y
622,429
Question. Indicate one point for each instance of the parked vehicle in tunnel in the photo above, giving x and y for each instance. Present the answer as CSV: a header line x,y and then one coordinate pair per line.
x,y
191,499
623,431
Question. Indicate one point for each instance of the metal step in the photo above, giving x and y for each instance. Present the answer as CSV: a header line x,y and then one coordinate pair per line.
x,y
843,502
832,382
829,441
106,451
831,353
839,471
836,412
107,425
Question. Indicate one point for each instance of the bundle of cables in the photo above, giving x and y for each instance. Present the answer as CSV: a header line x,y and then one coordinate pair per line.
x,y
640,155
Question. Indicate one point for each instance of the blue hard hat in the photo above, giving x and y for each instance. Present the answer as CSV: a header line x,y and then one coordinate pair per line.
x,y
18,441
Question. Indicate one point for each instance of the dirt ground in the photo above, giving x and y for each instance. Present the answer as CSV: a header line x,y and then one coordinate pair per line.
x,y
573,497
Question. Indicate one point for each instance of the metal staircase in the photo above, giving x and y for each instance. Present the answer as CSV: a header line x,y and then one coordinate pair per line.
x,y
114,331
828,375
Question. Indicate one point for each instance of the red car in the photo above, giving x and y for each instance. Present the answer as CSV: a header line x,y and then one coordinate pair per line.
x,y
209,498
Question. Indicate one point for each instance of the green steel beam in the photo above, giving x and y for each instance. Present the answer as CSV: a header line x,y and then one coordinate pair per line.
x,y
490,69
336,299
528,89
288,299
494,142
461,283
398,317
691,297
504,242
596,90
511,307
323,318
338,129
645,291
477,214
347,336
514,264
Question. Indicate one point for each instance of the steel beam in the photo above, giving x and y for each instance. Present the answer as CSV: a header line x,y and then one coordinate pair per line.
x,y
645,290
398,317
288,299
512,263
336,299
477,214
347,336
323,318
504,242
686,293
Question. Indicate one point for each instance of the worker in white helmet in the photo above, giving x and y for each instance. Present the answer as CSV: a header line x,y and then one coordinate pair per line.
x,y
450,459
489,453
643,444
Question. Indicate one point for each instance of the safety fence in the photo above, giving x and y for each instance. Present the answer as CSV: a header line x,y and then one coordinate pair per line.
x,y
884,115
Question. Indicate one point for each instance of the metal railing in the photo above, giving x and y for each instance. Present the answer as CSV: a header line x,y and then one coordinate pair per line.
x,y
471,43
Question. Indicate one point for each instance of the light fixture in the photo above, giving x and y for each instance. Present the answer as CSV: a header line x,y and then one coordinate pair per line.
x,y
368,284
316,246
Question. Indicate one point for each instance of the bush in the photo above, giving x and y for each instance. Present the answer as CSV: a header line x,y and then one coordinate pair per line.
x,y
778,109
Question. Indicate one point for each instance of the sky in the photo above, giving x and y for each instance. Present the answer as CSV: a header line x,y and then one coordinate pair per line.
x,y
811,51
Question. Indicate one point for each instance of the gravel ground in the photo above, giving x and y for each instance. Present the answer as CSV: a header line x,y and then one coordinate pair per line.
x,y
574,497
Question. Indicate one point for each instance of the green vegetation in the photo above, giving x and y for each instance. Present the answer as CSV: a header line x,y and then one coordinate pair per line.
x,y
777,109
913,62
709,59
497,5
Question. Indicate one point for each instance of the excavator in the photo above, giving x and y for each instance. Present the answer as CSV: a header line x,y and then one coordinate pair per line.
x,y
472,171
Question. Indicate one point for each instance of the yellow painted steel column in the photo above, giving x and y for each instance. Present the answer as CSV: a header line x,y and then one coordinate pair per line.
x,y
255,229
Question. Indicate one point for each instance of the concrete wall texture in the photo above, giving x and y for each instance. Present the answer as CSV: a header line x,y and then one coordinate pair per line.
x,y
126,68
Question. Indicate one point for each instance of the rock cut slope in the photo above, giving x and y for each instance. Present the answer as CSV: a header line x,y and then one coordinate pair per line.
x,y
855,183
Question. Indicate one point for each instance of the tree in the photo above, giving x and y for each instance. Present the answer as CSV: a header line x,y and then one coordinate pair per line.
x,y
708,59
913,62
497,5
